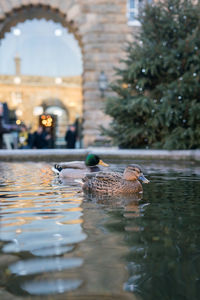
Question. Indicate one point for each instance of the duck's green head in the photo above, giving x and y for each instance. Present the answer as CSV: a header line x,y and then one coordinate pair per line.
x,y
93,160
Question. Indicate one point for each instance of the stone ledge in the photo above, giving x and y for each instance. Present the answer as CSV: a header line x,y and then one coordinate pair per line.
x,y
108,153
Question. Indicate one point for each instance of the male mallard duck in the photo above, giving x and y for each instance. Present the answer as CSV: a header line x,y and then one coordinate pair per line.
x,y
113,183
78,169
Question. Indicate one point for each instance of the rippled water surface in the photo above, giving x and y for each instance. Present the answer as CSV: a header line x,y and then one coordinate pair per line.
x,y
54,241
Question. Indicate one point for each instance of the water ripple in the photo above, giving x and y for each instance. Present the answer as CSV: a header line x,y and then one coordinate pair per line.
x,y
46,287
34,266
53,240
43,219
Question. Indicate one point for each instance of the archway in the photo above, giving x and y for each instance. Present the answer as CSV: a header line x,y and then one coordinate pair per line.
x,y
62,114
56,108
101,30
23,12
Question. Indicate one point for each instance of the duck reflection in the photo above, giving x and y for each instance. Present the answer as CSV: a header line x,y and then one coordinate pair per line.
x,y
104,225
129,204
115,201
162,238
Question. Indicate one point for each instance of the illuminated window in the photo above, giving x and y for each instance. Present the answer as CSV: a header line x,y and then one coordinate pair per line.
x,y
16,98
134,8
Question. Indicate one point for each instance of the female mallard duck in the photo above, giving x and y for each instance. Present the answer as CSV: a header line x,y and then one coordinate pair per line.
x,y
78,169
113,183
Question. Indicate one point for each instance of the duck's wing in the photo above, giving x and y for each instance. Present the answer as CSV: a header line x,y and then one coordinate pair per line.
x,y
73,165
108,177
72,173
101,181
103,176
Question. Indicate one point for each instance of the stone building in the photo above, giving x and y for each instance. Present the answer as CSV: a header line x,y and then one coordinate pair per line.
x,y
31,96
102,29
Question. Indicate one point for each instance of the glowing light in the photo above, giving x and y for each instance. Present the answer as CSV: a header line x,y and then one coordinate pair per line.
x,y
58,32
124,85
17,31
38,110
19,113
46,121
58,80
18,122
17,80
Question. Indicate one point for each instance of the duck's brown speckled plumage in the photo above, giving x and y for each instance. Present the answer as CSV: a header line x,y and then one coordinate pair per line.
x,y
114,183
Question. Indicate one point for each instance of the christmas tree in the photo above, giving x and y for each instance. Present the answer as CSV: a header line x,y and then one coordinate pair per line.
x,y
157,102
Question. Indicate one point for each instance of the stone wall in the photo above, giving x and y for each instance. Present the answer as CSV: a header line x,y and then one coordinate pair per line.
x,y
100,26
37,90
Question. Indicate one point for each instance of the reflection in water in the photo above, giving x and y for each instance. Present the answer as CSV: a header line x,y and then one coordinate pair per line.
x,y
39,219
45,287
34,266
54,240
163,239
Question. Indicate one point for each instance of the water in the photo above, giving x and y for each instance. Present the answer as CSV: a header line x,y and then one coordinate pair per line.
x,y
56,242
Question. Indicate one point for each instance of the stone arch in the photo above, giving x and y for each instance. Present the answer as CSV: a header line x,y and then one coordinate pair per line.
x,y
101,30
54,102
38,11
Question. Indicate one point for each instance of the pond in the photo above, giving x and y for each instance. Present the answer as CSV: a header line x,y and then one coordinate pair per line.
x,y
56,242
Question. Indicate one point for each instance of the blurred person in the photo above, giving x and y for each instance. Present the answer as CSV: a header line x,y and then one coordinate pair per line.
x,y
8,142
24,138
70,137
38,139
78,124
49,140
4,128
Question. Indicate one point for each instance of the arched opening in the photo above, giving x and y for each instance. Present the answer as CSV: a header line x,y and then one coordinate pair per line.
x,y
59,111
39,11
61,121
46,79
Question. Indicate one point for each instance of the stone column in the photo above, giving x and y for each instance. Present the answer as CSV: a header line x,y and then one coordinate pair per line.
x,y
103,41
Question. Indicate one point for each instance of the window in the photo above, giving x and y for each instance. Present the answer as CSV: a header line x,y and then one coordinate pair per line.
x,y
16,98
134,7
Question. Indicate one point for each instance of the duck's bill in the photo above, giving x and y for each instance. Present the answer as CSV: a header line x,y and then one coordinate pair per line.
x,y
103,163
143,179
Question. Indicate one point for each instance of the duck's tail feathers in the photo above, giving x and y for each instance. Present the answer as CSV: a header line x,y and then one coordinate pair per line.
x,y
56,169
79,181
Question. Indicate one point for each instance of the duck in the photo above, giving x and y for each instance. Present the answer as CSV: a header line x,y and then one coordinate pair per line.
x,y
115,183
78,169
